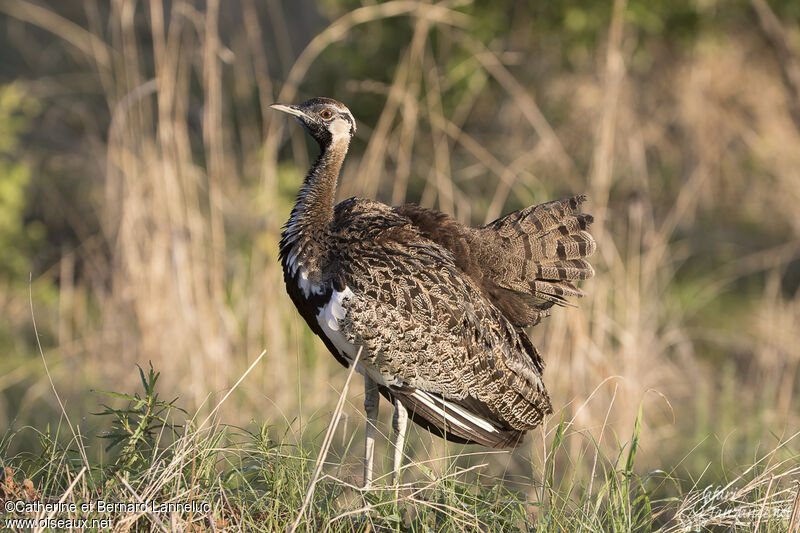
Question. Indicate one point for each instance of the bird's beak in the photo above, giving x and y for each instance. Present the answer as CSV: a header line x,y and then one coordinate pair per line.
x,y
291,109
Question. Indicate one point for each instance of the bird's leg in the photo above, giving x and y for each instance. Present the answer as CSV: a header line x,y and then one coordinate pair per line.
x,y
371,402
399,423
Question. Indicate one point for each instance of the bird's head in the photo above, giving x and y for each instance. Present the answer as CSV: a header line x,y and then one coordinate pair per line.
x,y
325,119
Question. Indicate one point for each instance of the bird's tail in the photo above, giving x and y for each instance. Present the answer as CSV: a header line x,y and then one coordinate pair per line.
x,y
548,244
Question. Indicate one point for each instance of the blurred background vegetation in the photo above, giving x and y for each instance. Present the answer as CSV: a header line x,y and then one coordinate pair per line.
x,y
144,182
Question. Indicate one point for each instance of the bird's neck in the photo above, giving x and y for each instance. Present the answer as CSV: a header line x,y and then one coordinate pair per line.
x,y
314,208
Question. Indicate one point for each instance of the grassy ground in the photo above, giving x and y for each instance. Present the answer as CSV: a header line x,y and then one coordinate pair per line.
x,y
144,182
201,475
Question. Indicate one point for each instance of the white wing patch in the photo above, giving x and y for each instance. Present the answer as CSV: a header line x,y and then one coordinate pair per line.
x,y
328,319
441,406
333,312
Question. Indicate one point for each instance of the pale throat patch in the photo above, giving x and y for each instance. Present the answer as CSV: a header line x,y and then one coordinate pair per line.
x,y
340,130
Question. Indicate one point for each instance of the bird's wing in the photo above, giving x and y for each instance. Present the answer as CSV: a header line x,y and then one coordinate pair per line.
x,y
430,336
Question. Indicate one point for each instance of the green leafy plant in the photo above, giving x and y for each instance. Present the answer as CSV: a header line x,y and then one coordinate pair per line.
x,y
138,427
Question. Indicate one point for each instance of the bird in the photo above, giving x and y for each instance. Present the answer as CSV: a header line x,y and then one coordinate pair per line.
x,y
432,311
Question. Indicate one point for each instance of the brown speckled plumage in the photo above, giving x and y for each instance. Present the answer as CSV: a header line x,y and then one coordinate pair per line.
x,y
438,308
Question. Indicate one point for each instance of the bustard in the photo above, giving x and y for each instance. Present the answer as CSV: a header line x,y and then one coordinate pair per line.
x,y
436,308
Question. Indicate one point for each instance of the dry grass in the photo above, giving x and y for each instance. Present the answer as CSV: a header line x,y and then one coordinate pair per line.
x,y
192,181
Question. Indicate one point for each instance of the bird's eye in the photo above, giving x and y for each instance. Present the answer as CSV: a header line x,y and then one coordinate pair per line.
x,y
326,114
